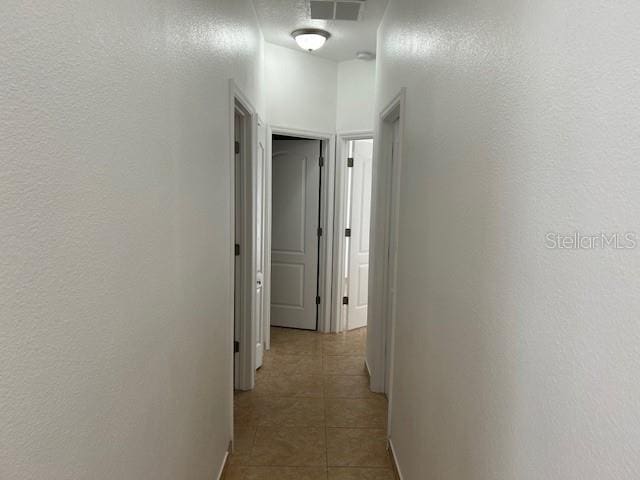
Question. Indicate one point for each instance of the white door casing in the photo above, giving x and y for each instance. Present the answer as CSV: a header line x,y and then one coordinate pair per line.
x,y
392,252
385,211
237,290
294,239
358,281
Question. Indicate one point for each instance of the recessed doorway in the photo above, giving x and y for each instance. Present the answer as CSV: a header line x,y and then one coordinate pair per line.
x,y
353,219
296,231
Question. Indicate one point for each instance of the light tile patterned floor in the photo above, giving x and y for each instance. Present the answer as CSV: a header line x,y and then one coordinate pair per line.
x,y
311,415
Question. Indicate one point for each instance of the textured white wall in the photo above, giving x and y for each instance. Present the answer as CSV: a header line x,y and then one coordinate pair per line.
x,y
312,93
114,292
514,361
356,94
300,89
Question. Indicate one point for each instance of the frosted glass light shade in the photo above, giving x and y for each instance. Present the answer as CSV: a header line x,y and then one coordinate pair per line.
x,y
310,39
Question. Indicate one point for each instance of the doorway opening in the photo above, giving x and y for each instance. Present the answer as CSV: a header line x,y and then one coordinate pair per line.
x,y
353,218
243,124
301,229
296,231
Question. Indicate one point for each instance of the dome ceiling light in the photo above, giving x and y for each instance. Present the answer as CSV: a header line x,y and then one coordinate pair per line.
x,y
310,39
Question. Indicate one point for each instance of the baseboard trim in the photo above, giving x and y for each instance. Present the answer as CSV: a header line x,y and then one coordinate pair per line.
x,y
224,466
394,461
366,364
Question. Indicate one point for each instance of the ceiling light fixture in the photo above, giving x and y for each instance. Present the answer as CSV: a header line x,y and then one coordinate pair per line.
x,y
310,39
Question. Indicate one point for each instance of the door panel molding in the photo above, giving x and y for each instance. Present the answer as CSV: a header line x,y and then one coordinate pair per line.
x,y
292,206
299,294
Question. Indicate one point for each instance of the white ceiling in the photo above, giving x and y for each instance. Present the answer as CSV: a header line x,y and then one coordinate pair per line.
x,y
278,18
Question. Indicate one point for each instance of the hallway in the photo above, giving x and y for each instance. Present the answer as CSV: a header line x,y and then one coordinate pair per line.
x,y
311,415
156,214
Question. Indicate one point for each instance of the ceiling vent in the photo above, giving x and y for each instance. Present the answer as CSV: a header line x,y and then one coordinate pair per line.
x,y
337,9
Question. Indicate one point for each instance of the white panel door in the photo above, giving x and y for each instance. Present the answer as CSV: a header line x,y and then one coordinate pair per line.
x,y
358,282
294,240
260,210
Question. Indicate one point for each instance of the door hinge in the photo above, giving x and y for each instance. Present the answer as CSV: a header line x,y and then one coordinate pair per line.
x,y
237,250
236,346
237,147
318,300
350,162
347,232
345,300
321,161
320,231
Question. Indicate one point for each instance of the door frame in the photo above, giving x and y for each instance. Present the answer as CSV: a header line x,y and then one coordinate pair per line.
x,y
242,331
338,319
383,247
326,214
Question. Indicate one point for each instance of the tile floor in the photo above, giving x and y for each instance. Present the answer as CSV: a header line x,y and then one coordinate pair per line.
x,y
311,415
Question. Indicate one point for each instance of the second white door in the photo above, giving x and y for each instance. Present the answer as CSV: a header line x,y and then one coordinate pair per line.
x,y
294,247
260,211
358,281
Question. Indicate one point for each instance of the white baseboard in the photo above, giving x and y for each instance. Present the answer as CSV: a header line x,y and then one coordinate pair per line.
x,y
224,464
395,460
366,364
